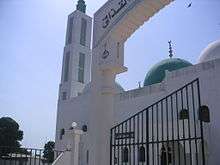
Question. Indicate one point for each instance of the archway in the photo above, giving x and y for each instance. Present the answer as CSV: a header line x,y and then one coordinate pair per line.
x,y
114,23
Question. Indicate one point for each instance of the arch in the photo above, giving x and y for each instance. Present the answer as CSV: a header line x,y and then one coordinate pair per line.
x,y
121,18
114,23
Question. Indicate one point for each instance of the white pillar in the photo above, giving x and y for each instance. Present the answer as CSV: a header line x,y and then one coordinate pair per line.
x,y
73,140
101,117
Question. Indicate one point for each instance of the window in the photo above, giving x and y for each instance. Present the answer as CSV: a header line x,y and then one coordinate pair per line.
x,y
125,155
204,113
70,31
81,67
166,156
66,66
83,32
87,156
141,154
64,96
62,132
184,114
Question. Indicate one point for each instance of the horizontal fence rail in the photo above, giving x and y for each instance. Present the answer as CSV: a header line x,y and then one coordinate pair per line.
x,y
27,156
168,132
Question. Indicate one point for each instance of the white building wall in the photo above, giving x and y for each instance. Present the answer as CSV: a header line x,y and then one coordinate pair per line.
x,y
130,102
74,110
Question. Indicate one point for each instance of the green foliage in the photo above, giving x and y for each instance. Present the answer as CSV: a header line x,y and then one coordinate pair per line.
x,y
10,135
49,151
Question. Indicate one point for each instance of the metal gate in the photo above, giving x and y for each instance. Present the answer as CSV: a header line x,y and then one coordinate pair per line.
x,y
169,132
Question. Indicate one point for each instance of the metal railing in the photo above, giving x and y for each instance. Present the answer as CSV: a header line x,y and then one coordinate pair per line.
x,y
26,156
168,132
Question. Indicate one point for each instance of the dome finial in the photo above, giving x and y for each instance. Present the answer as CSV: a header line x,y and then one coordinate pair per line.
x,y
81,6
170,49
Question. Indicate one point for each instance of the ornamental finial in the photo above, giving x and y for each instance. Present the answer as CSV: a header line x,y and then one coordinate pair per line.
x,y
170,49
81,6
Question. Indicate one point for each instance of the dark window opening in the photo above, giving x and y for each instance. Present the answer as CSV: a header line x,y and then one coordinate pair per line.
x,y
81,67
62,132
204,114
66,66
84,128
87,156
125,155
64,96
184,114
166,156
70,31
83,32
141,154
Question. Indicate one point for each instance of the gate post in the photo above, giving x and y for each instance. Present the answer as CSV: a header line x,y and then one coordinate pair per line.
x,y
73,140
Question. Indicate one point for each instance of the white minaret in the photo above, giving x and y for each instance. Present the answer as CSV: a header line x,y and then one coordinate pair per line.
x,y
77,54
75,72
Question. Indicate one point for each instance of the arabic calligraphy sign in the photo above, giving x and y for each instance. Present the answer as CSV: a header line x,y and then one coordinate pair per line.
x,y
114,12
126,135
108,16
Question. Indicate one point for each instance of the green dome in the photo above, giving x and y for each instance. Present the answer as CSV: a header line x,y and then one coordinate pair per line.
x,y
157,72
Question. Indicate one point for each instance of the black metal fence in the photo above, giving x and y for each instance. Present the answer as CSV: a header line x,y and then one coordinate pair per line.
x,y
26,156
168,132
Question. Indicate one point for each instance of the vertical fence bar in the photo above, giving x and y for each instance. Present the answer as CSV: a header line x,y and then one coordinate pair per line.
x,y
126,131
189,130
195,125
134,141
152,127
162,129
114,147
184,143
172,123
147,136
130,143
167,130
201,125
118,158
35,157
178,132
157,128
121,144
111,147
40,157
26,157
30,157
138,136
142,133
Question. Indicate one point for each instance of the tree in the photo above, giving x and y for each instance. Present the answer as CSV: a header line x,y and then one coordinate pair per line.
x,y
10,135
49,151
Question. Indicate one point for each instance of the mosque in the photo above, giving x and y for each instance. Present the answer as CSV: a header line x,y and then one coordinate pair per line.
x,y
172,119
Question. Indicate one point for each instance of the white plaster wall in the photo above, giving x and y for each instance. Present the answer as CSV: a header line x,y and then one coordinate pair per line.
x,y
130,102
74,110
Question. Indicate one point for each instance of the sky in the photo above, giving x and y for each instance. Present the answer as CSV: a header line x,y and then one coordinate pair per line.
x,y
32,34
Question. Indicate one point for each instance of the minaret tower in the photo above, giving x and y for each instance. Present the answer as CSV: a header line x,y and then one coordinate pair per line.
x,y
77,53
